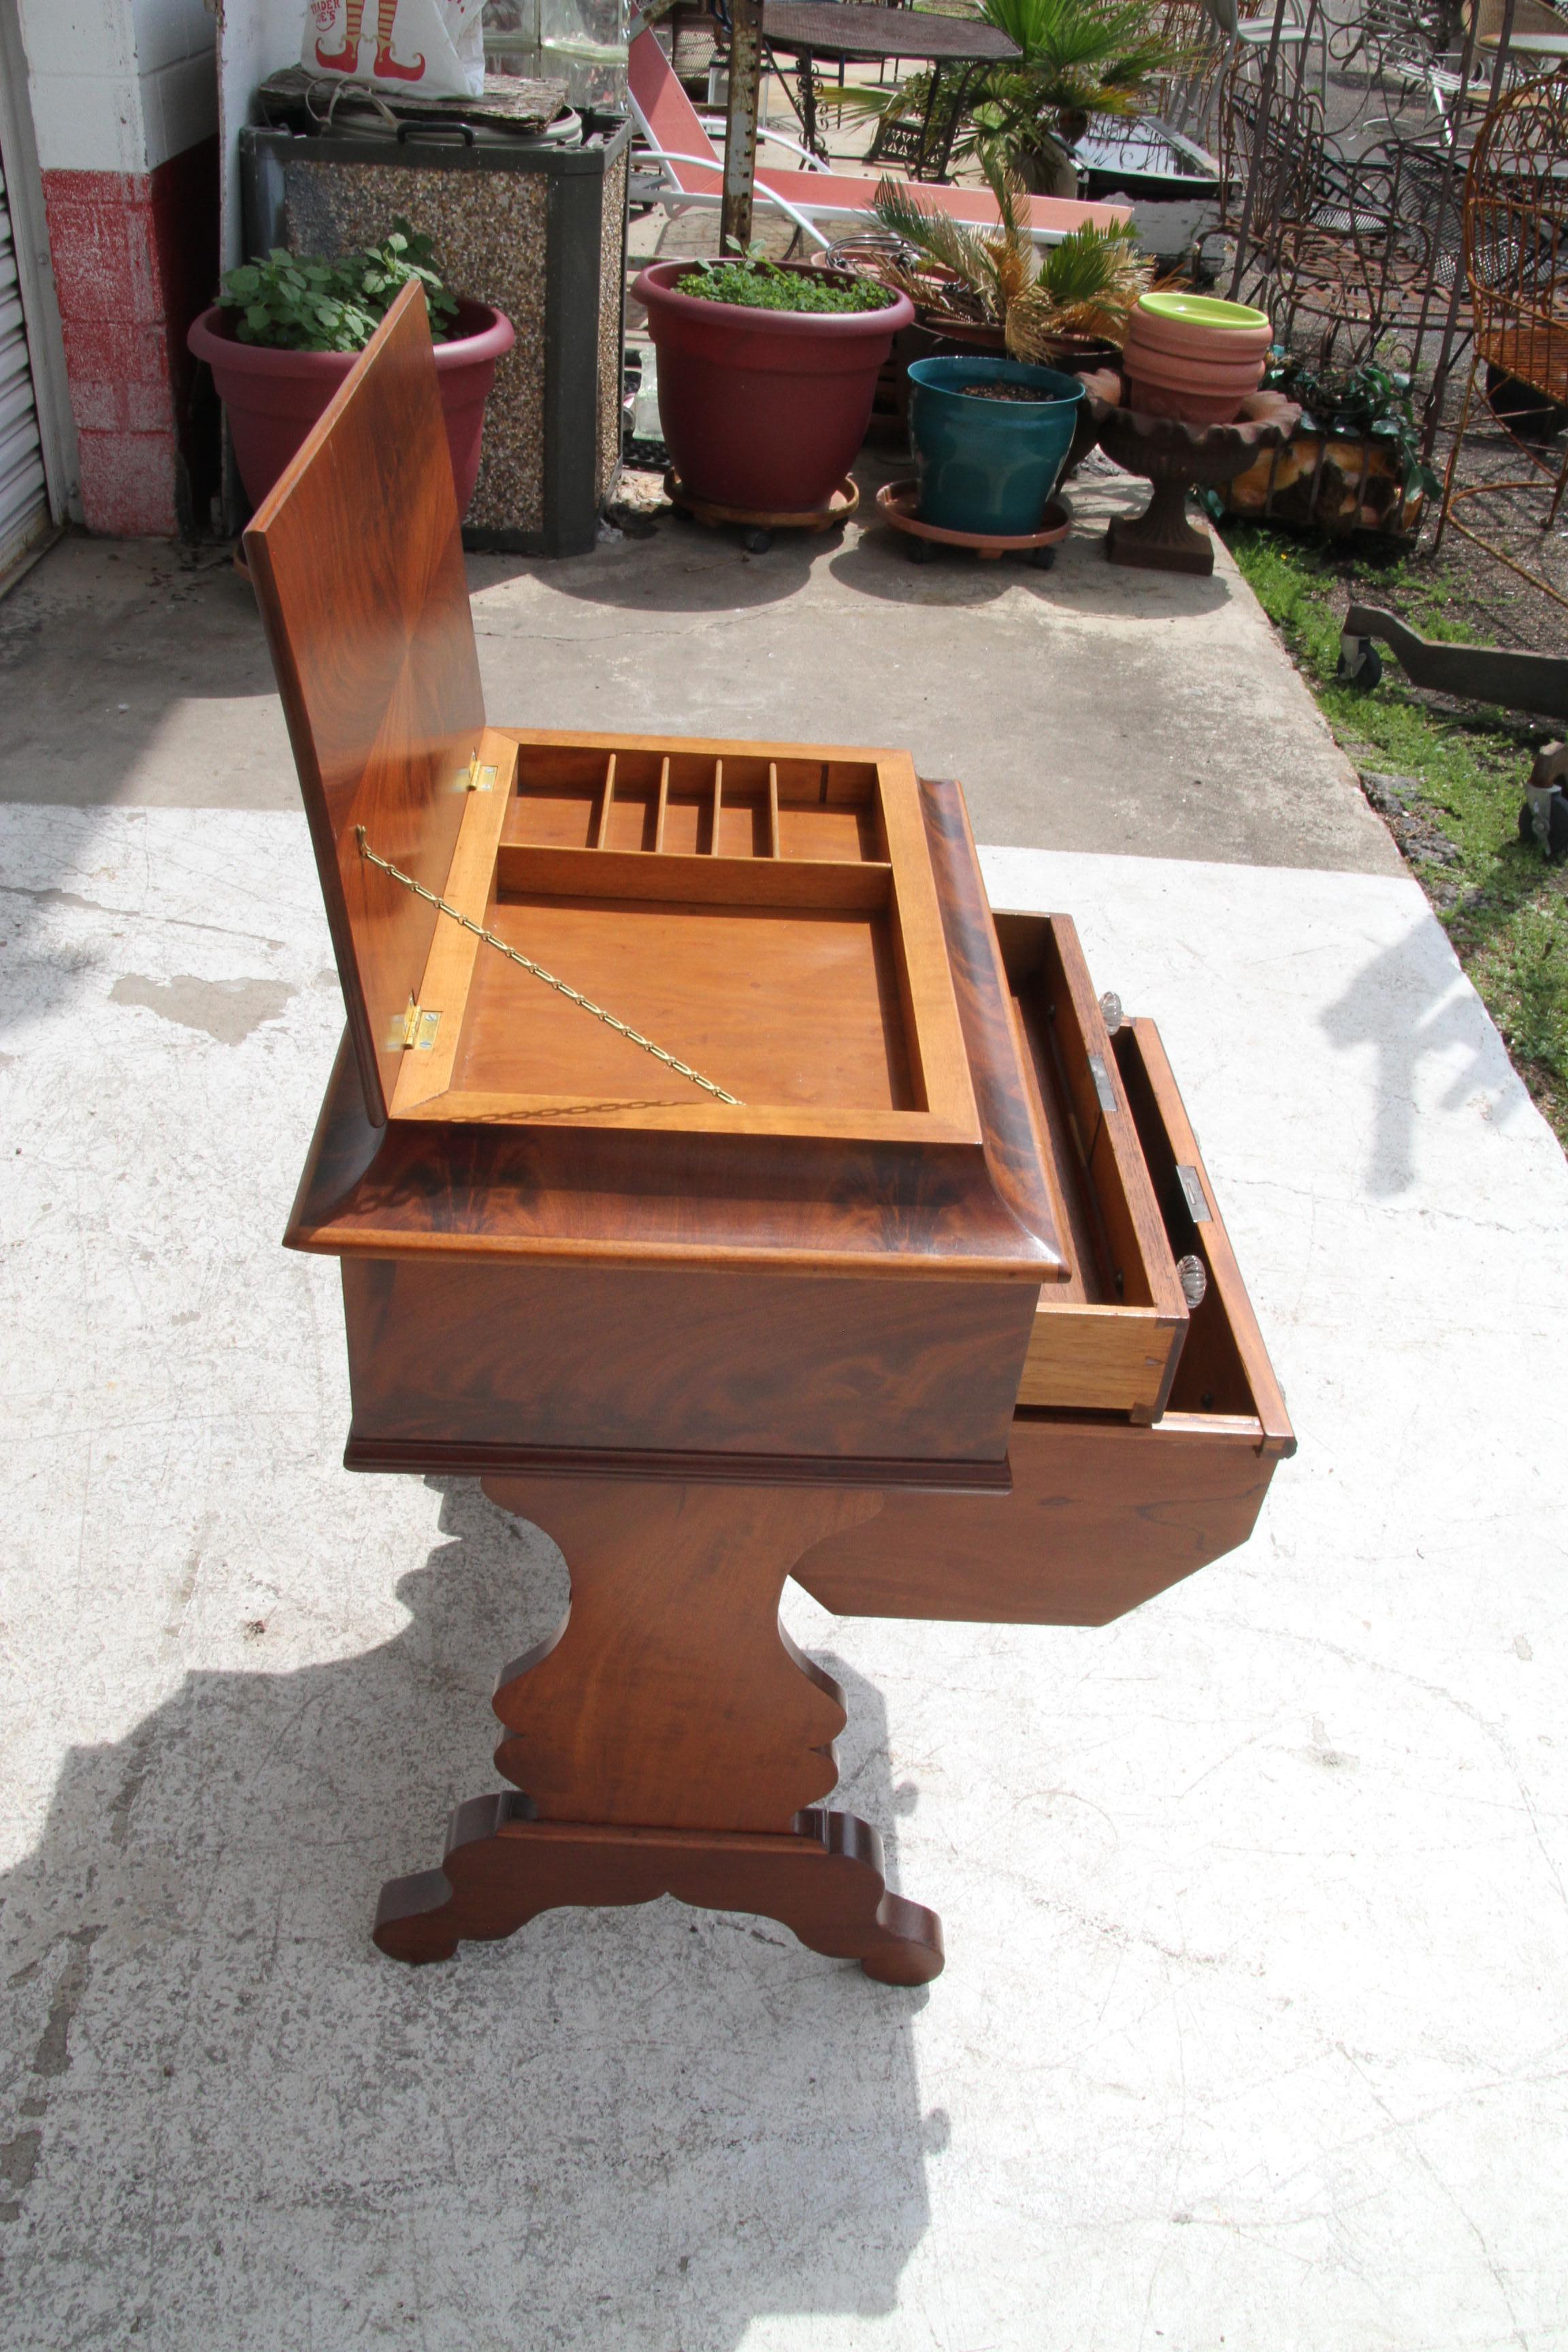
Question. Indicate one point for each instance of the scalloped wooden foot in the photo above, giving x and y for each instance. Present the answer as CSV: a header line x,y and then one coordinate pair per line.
x,y
824,1879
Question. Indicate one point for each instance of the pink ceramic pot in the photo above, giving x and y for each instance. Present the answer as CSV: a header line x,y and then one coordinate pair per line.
x,y
274,397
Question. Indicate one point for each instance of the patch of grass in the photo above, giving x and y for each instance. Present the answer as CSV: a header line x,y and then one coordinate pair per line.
x,y
1505,910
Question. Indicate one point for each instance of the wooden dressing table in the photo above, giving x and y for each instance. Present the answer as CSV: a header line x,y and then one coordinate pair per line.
x,y
868,1276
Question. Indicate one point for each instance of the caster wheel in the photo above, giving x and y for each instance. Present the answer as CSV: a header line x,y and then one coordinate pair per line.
x,y
1556,842
1043,558
756,542
920,551
1362,666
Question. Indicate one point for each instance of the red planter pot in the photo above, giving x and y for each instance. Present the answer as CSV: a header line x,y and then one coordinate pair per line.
x,y
274,397
764,410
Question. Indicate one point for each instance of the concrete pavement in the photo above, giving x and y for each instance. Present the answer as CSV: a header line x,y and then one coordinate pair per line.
x,y
1089,707
1251,2032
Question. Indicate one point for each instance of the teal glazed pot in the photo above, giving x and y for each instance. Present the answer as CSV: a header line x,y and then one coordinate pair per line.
x,y
988,466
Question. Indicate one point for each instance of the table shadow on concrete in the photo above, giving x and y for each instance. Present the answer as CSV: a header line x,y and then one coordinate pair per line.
x,y
240,2126
1407,1005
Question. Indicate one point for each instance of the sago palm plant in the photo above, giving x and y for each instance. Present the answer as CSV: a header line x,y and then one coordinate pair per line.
x,y
1076,59
1087,284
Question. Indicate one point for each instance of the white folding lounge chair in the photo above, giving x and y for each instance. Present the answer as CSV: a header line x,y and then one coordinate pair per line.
x,y
818,200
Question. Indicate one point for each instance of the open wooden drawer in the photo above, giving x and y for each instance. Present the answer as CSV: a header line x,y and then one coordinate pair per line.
x,y
1108,1507
1110,1337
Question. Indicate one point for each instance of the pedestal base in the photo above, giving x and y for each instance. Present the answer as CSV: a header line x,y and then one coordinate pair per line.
x,y
1161,538
822,1879
671,1737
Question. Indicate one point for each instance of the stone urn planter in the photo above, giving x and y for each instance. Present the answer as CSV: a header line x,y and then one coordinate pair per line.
x,y
1174,456
762,410
1191,356
273,397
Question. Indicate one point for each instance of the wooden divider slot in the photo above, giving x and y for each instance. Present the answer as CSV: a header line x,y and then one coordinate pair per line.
x,y
739,805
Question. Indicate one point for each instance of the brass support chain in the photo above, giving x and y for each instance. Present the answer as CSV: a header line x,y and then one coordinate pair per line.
x,y
584,1003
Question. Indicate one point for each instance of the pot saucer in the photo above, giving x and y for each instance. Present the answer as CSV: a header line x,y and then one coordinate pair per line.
x,y
896,503
758,524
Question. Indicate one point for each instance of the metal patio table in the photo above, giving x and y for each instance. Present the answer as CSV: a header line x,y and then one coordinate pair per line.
x,y
841,30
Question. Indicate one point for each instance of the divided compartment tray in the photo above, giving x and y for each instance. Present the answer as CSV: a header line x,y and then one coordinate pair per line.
x,y
765,913
1110,1337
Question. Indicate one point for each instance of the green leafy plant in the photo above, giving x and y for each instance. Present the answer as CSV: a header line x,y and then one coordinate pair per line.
x,y
1085,285
1365,403
754,284
299,303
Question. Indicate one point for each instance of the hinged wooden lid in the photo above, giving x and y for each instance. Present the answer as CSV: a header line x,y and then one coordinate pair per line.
x,y
357,559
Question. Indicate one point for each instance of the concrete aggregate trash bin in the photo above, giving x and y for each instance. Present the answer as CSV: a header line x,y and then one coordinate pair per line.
x,y
534,227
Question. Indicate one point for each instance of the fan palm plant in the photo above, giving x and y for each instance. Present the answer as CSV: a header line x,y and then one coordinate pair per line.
x,y
1077,58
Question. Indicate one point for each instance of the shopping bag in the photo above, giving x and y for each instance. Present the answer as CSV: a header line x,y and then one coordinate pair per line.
x,y
434,47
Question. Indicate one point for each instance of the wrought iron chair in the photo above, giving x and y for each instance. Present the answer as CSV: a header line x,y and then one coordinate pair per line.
x,y
1516,267
1404,47
1185,92
920,137
1326,247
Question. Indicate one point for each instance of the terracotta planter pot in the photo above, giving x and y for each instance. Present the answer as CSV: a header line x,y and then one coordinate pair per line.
x,y
1222,366
764,410
1074,354
274,397
1194,407
1158,386
1191,326
1187,355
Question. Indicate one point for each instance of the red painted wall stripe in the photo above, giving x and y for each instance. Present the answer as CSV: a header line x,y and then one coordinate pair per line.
x,y
135,258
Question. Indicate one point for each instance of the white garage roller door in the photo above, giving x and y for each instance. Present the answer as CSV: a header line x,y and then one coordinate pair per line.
x,y
23,498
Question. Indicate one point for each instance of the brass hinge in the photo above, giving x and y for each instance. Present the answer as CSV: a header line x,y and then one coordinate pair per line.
x,y
416,1032
475,779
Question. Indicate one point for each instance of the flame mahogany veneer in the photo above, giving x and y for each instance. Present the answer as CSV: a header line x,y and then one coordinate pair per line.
x,y
903,1319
